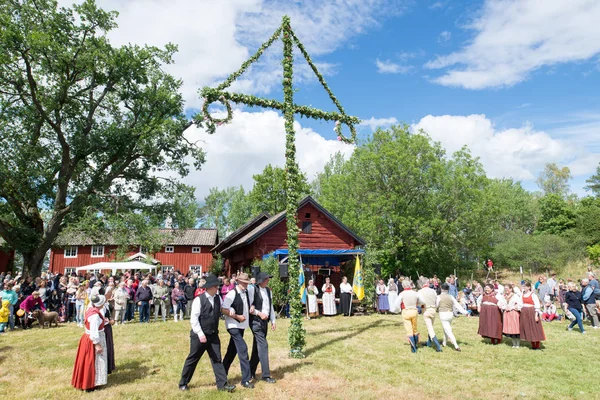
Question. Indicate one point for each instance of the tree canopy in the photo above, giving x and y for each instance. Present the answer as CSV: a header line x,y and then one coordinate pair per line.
x,y
82,122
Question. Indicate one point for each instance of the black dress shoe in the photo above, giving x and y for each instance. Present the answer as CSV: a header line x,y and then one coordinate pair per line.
x,y
227,388
183,388
268,379
248,385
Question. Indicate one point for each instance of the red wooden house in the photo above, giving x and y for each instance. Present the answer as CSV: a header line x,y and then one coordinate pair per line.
x,y
7,256
325,242
187,249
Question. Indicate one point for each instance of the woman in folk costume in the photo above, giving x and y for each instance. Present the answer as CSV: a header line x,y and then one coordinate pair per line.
x,y
311,302
90,369
108,333
392,295
489,306
531,323
511,309
346,297
328,298
446,304
383,303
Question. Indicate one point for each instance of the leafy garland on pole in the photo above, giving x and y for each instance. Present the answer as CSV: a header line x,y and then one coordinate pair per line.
x,y
296,333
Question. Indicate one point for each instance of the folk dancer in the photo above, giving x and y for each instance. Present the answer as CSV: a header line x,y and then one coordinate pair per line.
x,y
383,303
204,336
489,306
108,333
446,305
511,315
410,299
429,297
531,329
90,369
328,289
392,295
236,308
312,306
262,314
346,297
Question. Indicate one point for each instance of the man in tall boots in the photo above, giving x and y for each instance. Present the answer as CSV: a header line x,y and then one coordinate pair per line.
x,y
429,297
261,314
204,336
411,300
236,308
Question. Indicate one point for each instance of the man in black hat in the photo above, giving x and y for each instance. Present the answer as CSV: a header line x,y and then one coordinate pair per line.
x,y
261,313
204,336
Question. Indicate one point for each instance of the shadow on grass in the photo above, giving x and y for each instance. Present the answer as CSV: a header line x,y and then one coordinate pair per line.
x,y
280,372
356,331
3,353
127,373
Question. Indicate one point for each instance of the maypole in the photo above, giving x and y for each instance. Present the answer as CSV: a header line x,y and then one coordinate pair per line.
x,y
296,333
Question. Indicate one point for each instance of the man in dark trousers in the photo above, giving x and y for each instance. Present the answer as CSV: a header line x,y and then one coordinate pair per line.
x,y
204,336
261,314
236,307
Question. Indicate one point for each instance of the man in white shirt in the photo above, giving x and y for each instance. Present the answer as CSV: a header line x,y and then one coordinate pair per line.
x,y
236,308
204,336
261,313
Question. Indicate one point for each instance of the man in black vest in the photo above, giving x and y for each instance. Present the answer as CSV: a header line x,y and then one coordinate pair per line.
x,y
236,307
204,336
261,313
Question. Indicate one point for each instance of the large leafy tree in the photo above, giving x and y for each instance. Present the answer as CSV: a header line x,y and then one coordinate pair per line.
x,y
593,183
269,191
226,209
81,121
554,180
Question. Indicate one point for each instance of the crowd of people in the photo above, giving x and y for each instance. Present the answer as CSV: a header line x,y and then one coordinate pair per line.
x,y
97,301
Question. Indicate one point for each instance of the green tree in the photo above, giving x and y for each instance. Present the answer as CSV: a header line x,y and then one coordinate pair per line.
x,y
226,210
556,215
555,180
81,121
594,182
588,220
269,191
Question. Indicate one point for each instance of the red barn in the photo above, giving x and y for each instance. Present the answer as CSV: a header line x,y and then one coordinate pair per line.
x,y
187,249
324,240
7,257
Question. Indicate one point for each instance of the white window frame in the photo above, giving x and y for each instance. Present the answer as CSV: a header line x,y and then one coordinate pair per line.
x,y
200,267
70,249
97,255
69,271
169,249
196,250
165,268
94,271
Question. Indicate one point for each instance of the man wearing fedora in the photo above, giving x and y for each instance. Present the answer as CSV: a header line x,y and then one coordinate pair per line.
x,y
236,308
204,336
261,314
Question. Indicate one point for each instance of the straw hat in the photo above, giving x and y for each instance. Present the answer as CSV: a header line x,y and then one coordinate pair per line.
x,y
243,277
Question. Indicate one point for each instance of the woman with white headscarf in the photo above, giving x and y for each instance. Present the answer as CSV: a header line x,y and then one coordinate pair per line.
x,y
91,367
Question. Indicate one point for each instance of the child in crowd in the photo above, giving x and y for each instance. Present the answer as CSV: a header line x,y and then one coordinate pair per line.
x,y
4,312
549,313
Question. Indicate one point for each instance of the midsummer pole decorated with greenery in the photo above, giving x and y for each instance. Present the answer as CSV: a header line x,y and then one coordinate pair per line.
x,y
296,333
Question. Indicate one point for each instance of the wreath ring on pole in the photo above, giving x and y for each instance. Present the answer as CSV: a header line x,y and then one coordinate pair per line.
x,y
341,137
211,122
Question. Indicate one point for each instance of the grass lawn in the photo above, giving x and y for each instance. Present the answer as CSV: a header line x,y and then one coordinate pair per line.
x,y
362,357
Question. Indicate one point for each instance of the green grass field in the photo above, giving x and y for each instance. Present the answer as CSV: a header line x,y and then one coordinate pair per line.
x,y
362,357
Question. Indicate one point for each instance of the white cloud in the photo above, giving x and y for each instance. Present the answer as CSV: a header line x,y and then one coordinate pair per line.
x,y
514,38
242,148
444,37
389,67
518,153
375,123
215,37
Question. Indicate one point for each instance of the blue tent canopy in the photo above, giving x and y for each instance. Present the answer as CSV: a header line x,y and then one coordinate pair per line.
x,y
318,256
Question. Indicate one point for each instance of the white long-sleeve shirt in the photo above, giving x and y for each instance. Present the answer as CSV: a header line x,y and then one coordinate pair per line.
x,y
195,313
232,323
266,303
95,321
345,288
455,303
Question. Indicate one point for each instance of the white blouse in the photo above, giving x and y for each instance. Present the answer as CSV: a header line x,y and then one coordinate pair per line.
x,y
345,288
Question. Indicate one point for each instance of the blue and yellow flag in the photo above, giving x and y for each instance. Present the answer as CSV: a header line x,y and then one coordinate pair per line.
x,y
357,283
302,285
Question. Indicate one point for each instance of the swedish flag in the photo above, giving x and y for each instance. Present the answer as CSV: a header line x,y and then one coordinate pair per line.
x,y
357,283
302,285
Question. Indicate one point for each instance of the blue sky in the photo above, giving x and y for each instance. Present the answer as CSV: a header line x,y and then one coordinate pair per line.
x,y
514,80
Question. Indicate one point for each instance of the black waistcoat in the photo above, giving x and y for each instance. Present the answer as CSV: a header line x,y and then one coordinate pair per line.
x,y
209,315
238,304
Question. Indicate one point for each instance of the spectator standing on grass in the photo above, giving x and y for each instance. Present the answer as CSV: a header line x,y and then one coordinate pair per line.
x,y
227,286
573,304
120,297
161,300
9,294
177,300
130,311
553,287
588,298
80,297
143,297
544,289
189,290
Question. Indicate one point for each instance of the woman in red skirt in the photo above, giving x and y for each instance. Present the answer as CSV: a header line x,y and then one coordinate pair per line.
x,y
511,310
530,323
90,369
490,315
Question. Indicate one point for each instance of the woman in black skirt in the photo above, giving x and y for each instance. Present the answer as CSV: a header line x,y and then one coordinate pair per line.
x,y
346,297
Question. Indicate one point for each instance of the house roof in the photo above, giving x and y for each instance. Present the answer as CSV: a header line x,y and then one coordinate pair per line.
x,y
176,237
275,219
238,232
